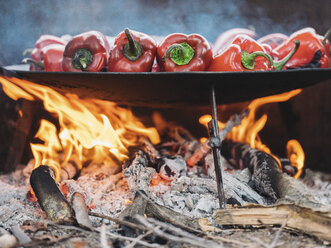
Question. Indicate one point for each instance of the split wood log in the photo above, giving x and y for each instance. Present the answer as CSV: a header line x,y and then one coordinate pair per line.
x,y
80,209
49,196
315,223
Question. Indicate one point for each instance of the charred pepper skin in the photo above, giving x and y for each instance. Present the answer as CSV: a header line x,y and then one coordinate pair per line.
x,y
225,38
140,59
196,45
311,53
273,40
43,41
86,52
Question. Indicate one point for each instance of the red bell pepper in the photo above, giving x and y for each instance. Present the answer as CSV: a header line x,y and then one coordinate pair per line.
x,y
225,38
246,54
86,52
132,52
273,40
51,58
180,52
42,42
311,53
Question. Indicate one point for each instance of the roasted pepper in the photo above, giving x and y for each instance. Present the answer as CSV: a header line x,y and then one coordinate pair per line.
x,y
51,58
311,53
273,40
225,38
42,42
180,52
86,52
246,54
132,52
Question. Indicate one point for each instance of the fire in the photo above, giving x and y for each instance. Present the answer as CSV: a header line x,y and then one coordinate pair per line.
x,y
247,131
90,129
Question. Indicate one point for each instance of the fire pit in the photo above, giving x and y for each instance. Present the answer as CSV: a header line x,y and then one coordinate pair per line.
x,y
93,159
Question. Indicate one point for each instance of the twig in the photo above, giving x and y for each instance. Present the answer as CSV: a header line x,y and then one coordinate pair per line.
x,y
139,238
241,244
277,235
103,238
20,235
234,121
117,221
258,241
145,244
181,235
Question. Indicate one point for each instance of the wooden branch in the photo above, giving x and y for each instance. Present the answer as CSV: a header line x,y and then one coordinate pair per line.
x,y
118,221
176,234
204,148
20,235
165,214
315,223
80,209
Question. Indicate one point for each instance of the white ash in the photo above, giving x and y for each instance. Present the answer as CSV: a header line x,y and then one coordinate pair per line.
x,y
173,167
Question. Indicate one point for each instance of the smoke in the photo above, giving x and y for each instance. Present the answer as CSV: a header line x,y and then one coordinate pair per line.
x,y
22,22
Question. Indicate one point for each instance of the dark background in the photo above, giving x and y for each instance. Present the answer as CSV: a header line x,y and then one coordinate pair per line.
x,y
306,117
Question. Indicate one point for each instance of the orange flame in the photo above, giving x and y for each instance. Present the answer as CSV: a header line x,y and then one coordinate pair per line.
x,y
91,129
247,131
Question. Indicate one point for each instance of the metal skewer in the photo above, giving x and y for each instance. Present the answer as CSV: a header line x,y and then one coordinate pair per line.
x,y
215,144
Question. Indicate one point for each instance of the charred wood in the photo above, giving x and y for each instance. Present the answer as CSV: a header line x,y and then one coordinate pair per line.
x,y
150,150
80,209
49,196
204,148
264,168
137,174
137,207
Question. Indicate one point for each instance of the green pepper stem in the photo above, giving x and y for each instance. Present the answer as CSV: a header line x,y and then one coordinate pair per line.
x,y
280,64
32,61
82,58
180,54
132,50
173,46
248,59
27,51
130,40
326,36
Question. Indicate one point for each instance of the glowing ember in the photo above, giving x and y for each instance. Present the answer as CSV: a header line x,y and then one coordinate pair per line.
x,y
247,131
90,129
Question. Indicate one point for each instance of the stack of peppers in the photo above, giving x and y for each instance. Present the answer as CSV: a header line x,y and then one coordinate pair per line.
x,y
234,50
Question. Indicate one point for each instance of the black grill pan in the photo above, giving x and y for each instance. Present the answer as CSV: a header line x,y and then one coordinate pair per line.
x,y
167,89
